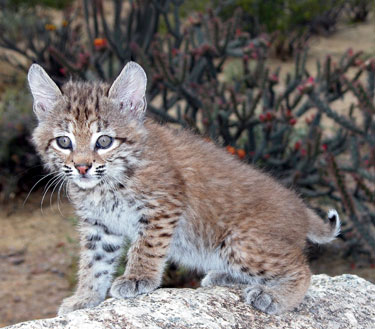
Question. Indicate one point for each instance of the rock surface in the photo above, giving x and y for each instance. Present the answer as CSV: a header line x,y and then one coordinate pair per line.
x,y
345,301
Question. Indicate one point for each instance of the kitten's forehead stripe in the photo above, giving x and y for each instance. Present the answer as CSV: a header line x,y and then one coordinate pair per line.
x,y
83,98
64,125
97,104
86,112
91,122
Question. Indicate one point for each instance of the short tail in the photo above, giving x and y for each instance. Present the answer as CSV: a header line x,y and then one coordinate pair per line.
x,y
323,231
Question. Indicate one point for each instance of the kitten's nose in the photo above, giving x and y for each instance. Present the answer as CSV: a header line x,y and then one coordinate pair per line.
x,y
83,168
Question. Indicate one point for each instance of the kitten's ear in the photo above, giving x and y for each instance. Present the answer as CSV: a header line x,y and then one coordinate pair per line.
x,y
129,89
45,92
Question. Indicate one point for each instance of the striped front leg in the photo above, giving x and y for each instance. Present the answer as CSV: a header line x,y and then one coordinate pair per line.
x,y
147,256
100,251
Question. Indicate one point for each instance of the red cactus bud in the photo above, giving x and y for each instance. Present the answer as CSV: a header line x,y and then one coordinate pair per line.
x,y
324,147
100,43
262,117
175,51
238,32
269,116
274,78
303,152
231,149
310,80
157,77
358,62
205,47
297,145
292,121
50,27
241,153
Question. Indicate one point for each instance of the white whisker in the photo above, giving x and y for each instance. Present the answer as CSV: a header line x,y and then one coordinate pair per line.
x,y
58,195
50,184
66,188
45,176
117,180
53,190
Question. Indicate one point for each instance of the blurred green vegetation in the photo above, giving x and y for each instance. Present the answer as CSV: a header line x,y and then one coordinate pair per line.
x,y
18,161
56,4
285,15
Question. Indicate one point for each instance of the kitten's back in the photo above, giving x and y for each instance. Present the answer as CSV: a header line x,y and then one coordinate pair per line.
x,y
224,189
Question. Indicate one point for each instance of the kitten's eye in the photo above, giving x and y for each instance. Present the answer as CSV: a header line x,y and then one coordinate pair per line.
x,y
104,142
64,142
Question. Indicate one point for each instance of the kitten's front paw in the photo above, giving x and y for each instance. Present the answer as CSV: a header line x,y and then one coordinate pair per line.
x,y
125,288
77,302
262,300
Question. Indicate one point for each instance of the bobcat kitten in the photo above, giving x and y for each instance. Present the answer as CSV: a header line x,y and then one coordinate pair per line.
x,y
173,195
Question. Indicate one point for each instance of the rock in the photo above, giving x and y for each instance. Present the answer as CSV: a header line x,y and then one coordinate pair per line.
x,y
345,301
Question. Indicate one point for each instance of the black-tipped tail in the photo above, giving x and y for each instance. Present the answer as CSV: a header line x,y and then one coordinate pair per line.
x,y
321,232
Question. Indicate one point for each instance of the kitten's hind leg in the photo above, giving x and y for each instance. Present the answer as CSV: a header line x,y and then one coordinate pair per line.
x,y
217,278
281,294
221,278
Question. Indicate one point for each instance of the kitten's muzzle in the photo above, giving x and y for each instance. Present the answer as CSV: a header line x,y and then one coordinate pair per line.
x,y
83,168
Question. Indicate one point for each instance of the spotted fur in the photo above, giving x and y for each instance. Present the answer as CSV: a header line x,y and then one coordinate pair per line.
x,y
172,195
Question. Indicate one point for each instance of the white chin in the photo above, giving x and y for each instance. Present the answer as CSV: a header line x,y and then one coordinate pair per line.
x,y
86,183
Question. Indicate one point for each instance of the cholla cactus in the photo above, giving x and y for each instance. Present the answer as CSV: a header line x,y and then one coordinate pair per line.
x,y
350,154
259,116
277,125
35,37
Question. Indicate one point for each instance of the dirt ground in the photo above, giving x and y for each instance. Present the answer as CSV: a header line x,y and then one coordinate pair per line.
x,y
38,251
